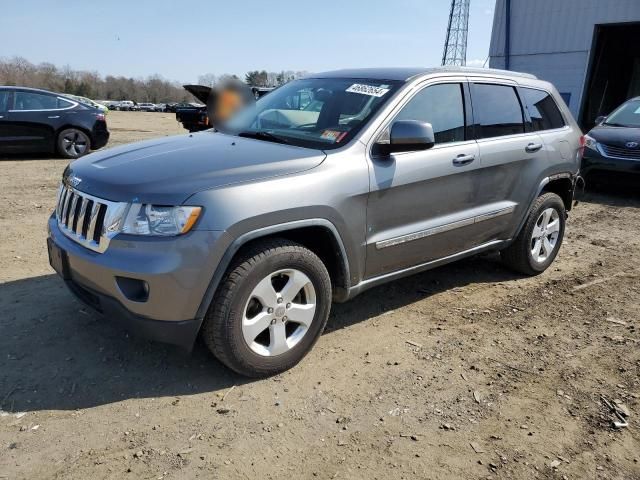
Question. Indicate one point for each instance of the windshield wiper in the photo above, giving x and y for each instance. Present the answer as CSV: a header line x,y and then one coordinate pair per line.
x,y
262,135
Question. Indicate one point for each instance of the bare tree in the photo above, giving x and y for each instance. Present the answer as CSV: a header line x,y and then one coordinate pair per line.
x,y
19,71
208,79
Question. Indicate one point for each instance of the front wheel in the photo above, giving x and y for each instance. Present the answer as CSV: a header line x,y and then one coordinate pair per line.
x,y
538,243
269,310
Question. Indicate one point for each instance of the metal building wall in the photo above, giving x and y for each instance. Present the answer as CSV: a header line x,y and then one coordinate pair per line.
x,y
552,38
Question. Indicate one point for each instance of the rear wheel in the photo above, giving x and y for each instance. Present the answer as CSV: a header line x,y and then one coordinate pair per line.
x,y
538,243
73,143
269,310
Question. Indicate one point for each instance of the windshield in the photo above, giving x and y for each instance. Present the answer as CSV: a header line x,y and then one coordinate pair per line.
x,y
322,113
627,115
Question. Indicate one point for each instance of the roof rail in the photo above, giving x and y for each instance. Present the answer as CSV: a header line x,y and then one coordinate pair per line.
x,y
495,71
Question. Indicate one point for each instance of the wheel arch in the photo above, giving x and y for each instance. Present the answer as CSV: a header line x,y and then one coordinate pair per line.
x,y
77,127
318,235
562,184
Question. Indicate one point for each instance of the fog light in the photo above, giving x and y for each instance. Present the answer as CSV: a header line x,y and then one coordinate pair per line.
x,y
134,289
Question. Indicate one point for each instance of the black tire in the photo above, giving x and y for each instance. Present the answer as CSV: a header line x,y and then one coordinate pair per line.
x,y
518,256
222,328
73,143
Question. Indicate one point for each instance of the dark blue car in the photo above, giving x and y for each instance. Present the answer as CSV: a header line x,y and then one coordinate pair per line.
x,y
613,145
34,120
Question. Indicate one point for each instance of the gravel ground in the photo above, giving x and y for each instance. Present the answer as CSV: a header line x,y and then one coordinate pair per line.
x,y
466,371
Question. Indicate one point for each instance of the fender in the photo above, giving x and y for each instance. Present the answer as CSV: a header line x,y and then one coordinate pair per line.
x,y
262,232
543,183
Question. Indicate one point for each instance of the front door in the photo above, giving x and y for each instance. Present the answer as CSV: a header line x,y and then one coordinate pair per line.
x,y
422,204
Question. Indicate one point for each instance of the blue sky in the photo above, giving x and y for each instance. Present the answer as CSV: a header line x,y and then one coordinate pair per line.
x,y
181,40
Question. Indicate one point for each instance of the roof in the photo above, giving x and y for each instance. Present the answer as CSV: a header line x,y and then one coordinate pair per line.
x,y
29,89
405,74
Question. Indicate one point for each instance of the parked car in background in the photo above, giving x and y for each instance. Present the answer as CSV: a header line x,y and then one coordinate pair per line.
x,y
259,92
147,107
245,236
161,107
111,104
88,101
194,117
613,145
171,107
33,120
126,105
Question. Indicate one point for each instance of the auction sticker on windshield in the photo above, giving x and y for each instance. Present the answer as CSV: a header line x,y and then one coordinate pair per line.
x,y
370,90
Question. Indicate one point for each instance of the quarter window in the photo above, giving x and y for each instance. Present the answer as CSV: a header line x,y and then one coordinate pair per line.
x,y
443,107
62,103
542,109
497,110
38,101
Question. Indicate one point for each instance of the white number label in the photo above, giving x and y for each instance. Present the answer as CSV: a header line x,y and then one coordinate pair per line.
x,y
370,90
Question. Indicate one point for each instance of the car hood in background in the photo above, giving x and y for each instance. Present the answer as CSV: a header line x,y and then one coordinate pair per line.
x,y
166,171
615,136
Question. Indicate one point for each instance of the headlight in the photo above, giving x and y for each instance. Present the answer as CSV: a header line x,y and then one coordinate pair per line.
x,y
590,142
155,220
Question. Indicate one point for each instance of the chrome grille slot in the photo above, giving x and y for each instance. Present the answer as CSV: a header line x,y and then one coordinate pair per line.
x,y
82,218
620,152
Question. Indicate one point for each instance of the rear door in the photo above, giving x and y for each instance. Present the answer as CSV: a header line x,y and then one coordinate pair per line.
x,y
422,204
511,156
546,120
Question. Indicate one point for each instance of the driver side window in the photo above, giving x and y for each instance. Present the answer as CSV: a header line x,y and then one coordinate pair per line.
x,y
442,106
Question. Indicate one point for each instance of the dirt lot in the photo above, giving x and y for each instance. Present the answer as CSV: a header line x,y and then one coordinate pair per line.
x,y
467,371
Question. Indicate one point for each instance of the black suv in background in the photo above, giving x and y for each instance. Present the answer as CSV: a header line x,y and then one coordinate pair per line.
x,y
195,117
34,120
613,145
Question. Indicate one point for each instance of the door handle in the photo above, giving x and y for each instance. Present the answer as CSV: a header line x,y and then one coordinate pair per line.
x,y
533,147
463,160
53,116
1,116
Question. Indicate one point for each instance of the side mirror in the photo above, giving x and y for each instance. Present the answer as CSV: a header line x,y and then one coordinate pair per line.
x,y
407,136
600,119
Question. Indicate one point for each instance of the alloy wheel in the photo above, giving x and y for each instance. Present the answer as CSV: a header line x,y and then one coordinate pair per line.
x,y
279,312
545,234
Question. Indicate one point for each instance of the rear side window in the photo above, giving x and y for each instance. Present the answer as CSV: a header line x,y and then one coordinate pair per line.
x,y
497,110
542,108
443,107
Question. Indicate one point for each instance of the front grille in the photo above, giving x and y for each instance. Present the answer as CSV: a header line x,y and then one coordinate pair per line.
x,y
620,152
86,219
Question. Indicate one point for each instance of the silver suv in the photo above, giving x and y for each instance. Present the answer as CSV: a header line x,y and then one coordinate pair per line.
x,y
326,187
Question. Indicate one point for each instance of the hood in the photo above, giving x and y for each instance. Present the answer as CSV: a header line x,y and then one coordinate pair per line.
x,y
201,92
166,171
615,136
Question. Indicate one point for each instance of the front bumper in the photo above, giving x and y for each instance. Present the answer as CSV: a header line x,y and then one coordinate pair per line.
x,y
593,161
176,270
